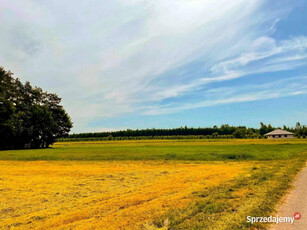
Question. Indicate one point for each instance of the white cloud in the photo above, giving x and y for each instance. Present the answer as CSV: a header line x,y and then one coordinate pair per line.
x,y
247,93
113,57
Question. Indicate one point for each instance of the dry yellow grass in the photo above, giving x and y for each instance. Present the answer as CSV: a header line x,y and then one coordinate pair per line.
x,y
102,195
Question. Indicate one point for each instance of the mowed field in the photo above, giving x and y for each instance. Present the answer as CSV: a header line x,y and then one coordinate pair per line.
x,y
148,184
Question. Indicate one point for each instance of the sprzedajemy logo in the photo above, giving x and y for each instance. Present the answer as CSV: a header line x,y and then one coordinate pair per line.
x,y
273,219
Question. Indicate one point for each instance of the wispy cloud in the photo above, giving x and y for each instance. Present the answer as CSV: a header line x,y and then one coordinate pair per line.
x,y
121,57
247,93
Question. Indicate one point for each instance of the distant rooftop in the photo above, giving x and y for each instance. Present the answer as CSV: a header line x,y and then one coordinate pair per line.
x,y
279,132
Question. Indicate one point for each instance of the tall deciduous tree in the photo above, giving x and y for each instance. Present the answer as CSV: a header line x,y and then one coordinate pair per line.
x,y
29,117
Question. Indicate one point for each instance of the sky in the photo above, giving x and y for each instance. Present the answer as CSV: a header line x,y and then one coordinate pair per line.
x,y
165,63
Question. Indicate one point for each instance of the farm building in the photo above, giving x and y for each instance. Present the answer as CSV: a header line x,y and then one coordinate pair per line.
x,y
278,133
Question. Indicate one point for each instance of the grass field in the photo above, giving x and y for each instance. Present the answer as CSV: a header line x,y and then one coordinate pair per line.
x,y
148,184
203,150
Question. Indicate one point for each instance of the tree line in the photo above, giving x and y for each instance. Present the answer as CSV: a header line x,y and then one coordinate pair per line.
x,y
224,131
29,116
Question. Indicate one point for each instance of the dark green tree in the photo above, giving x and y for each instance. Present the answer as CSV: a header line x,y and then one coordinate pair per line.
x,y
29,117
263,129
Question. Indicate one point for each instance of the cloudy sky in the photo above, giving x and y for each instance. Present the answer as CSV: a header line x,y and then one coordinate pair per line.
x,y
162,63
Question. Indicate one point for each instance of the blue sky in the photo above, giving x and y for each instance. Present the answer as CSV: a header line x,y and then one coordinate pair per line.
x,y
164,63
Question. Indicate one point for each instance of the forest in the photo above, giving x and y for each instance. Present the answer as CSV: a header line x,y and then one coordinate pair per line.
x,y
224,131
